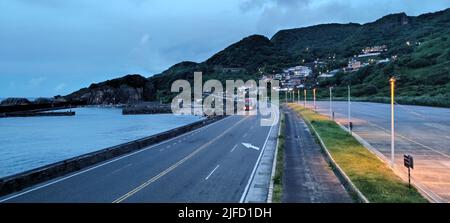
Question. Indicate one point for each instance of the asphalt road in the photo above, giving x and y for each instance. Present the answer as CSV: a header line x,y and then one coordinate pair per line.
x,y
421,131
307,177
207,165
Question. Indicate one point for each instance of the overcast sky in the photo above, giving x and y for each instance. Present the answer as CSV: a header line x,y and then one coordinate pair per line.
x,y
50,47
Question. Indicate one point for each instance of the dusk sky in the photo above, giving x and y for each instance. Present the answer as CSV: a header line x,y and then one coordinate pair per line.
x,y
50,47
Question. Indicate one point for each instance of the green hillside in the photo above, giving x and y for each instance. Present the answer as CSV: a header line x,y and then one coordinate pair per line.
x,y
421,68
419,44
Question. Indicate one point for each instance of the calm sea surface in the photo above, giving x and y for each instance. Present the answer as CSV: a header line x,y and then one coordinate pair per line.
x,y
27,143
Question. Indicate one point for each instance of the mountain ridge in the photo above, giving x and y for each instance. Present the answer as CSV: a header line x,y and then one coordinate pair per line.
x,y
256,54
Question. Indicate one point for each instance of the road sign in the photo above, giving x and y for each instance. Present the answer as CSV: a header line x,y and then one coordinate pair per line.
x,y
408,162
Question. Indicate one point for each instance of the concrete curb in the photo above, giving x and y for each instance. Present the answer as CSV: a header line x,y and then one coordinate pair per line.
x,y
20,181
429,195
340,172
274,166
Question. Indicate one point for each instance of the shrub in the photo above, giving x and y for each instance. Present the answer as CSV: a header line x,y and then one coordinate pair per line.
x,y
420,62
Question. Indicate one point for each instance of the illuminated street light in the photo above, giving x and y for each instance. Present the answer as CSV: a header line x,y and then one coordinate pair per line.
x,y
392,81
304,102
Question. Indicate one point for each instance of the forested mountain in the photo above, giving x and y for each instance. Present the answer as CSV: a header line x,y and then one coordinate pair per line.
x,y
419,44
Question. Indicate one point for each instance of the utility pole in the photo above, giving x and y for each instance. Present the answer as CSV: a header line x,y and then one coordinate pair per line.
x,y
285,98
392,81
293,96
331,104
298,96
314,93
348,110
304,102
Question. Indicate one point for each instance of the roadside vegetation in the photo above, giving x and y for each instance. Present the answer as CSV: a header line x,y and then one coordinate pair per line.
x,y
369,174
278,178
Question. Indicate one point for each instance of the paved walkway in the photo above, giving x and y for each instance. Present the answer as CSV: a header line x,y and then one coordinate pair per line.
x,y
307,176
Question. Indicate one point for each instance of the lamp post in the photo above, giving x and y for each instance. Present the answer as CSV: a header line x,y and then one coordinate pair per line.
x,y
286,96
314,95
304,102
331,104
348,110
392,81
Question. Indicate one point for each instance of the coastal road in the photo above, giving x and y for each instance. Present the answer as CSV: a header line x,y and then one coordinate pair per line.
x,y
423,132
212,164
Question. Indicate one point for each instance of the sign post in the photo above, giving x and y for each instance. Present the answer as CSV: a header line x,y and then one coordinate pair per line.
x,y
408,162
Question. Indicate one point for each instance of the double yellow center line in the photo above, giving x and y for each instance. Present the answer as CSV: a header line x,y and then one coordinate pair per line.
x,y
171,168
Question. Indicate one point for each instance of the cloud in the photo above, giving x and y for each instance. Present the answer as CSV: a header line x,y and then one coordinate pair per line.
x,y
282,14
248,5
145,38
36,81
60,87
78,41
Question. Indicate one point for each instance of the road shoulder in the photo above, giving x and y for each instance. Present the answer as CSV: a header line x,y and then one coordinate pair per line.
x,y
259,185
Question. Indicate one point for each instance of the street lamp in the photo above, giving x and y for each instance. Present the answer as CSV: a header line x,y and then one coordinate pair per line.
x,y
286,96
314,93
392,81
304,102
331,104
349,111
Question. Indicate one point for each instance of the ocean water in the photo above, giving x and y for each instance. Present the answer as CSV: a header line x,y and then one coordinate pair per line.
x,y
30,142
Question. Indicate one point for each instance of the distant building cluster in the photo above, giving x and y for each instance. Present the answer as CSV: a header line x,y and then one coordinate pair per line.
x,y
354,65
329,73
295,77
375,49
302,71
233,69
290,78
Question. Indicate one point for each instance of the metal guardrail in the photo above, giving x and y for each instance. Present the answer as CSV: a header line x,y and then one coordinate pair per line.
x,y
20,181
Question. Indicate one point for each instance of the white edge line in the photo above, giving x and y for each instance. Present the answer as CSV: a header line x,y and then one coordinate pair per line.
x,y
108,162
209,175
247,187
235,146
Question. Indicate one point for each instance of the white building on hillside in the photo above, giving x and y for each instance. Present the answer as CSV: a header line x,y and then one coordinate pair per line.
x,y
301,71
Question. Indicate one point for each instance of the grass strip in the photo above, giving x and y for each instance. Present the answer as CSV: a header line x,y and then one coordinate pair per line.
x,y
371,176
278,178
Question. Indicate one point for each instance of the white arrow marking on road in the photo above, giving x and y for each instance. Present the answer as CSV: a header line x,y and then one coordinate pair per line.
x,y
248,145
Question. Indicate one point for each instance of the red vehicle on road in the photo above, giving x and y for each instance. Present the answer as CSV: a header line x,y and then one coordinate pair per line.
x,y
249,104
